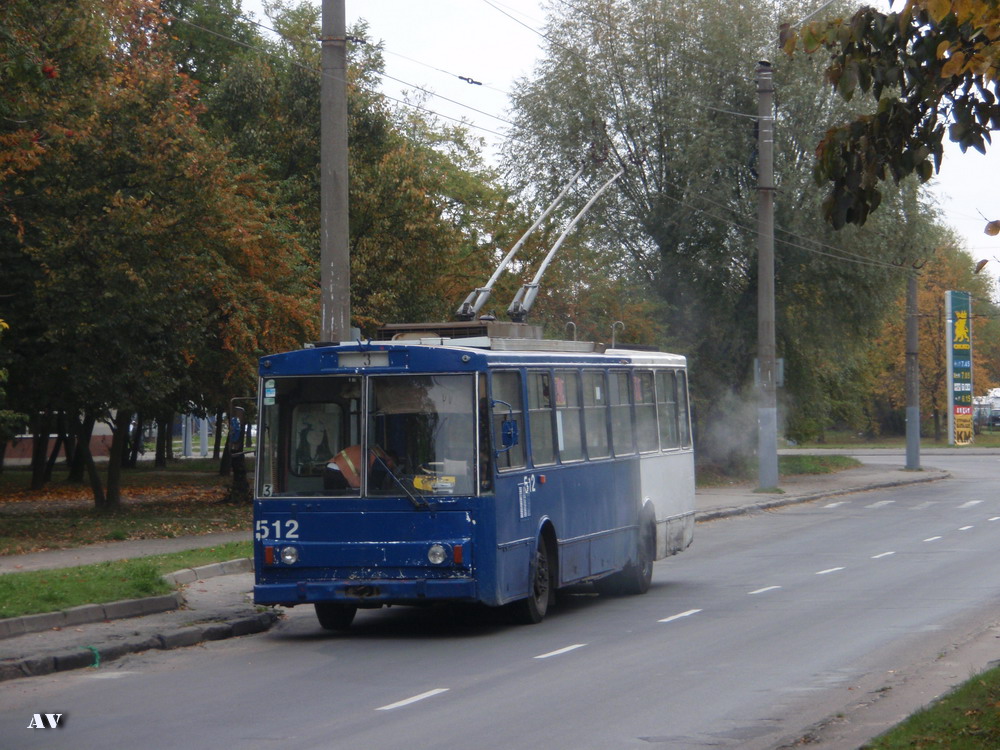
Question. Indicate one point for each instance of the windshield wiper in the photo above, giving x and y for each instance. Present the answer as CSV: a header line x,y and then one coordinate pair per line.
x,y
418,503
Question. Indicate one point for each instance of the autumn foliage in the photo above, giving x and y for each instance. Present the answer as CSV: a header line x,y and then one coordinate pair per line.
x,y
930,68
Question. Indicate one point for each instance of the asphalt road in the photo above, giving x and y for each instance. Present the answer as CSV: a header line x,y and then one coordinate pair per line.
x,y
767,625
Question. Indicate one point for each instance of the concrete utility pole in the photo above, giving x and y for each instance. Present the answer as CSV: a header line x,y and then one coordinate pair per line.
x,y
335,261
767,404
912,376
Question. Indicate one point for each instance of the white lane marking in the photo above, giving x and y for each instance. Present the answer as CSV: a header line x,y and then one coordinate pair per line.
x,y
414,699
834,505
970,504
884,554
932,539
880,504
966,528
561,651
828,570
995,518
924,505
766,588
682,614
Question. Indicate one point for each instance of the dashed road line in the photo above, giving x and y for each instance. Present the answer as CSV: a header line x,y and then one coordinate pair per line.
x,y
969,504
884,554
559,651
763,590
966,528
828,570
414,699
880,504
834,505
682,614
932,539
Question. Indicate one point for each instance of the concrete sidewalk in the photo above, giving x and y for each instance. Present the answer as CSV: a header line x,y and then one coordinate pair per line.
x,y
214,601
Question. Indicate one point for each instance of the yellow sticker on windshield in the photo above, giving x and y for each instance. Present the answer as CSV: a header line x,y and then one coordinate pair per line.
x,y
433,483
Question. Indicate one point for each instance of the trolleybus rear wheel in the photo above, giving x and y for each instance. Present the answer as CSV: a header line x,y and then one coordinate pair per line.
x,y
532,609
637,576
333,616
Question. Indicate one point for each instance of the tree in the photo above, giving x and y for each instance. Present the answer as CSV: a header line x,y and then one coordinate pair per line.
x,y
422,203
948,269
11,422
931,66
665,93
204,37
149,262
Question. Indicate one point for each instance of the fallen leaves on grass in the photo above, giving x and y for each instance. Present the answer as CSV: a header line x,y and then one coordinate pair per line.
x,y
57,519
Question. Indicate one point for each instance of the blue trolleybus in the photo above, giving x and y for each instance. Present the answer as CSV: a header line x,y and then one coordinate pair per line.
x,y
474,462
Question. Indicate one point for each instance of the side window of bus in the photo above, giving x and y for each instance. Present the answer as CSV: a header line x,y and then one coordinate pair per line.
x,y
683,410
645,412
569,416
666,406
595,414
507,390
621,413
540,418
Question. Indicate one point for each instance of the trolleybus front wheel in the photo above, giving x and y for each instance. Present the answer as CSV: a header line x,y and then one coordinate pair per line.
x,y
333,616
532,609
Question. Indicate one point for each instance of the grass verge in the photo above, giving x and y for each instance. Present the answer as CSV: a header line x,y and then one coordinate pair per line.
x,y
791,465
807,464
968,718
38,591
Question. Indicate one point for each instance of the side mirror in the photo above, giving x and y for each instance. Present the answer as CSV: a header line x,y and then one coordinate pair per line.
x,y
508,433
508,428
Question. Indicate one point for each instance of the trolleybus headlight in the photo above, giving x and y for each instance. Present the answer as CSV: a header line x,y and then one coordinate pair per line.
x,y
289,555
437,554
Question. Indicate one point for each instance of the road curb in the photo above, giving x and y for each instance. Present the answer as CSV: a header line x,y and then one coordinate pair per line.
x,y
742,510
150,605
93,656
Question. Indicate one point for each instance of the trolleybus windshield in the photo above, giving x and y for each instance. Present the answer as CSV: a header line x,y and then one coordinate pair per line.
x,y
419,436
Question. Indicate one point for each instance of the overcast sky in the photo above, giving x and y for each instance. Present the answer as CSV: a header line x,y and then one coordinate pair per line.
x,y
433,43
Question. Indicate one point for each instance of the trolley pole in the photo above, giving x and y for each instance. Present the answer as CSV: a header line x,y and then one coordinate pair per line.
x,y
767,405
335,262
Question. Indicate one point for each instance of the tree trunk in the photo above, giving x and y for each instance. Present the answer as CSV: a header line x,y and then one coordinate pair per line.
x,y
119,444
39,448
70,441
60,443
218,435
85,459
84,429
160,459
134,444
170,437
226,464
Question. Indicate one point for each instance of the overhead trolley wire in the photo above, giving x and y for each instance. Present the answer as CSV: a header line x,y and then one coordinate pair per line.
x,y
858,259
359,40
843,254
311,69
837,254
